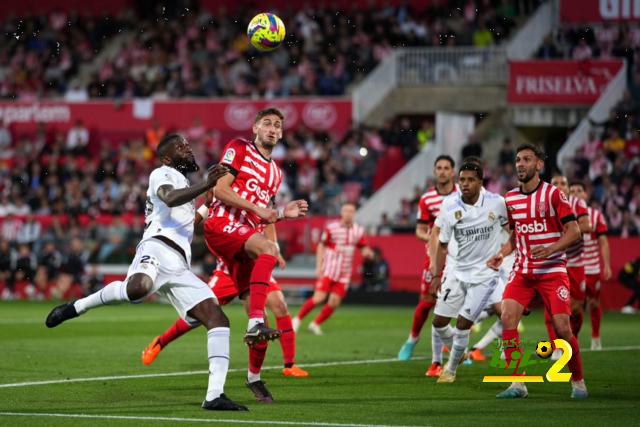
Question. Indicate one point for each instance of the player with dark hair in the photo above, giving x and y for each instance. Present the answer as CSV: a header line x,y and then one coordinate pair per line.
x,y
595,244
162,263
428,210
244,202
334,262
544,226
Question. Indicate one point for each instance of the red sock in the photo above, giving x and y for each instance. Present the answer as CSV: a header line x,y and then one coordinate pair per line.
x,y
325,313
420,316
596,317
259,285
287,340
508,336
256,357
176,330
550,329
576,323
575,364
306,308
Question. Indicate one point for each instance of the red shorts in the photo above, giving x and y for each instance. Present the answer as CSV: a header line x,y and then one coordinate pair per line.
x,y
427,278
225,290
553,288
226,239
330,286
593,285
577,281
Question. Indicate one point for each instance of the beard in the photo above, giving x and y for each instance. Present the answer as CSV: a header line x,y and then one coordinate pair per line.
x,y
187,166
527,177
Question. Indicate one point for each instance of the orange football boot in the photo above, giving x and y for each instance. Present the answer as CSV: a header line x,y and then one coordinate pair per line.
x,y
476,356
434,370
152,351
445,349
294,371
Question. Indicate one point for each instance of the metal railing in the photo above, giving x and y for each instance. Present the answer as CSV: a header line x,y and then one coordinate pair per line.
x,y
530,37
598,112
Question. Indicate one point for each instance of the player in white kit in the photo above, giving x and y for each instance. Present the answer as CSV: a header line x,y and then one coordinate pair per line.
x,y
163,260
474,222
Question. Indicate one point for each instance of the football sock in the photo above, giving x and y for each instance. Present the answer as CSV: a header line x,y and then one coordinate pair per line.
x,y
259,288
494,332
436,346
508,336
460,344
576,323
596,318
287,340
551,331
115,293
176,330
446,335
325,313
420,316
575,364
306,308
257,354
218,352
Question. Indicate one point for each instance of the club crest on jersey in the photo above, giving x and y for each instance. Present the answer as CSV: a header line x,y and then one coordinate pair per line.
x,y
492,216
563,293
229,155
458,215
542,207
243,230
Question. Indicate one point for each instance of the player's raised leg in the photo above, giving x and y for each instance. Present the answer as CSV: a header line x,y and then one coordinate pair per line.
x,y
175,331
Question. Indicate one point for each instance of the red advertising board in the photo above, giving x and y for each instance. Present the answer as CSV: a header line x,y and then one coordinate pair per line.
x,y
225,116
559,82
577,11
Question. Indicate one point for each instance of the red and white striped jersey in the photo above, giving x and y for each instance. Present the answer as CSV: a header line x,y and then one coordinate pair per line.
x,y
221,266
538,218
257,180
429,207
341,243
574,252
591,242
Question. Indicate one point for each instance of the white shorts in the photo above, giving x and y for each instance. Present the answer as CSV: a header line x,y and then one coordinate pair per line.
x,y
171,275
465,299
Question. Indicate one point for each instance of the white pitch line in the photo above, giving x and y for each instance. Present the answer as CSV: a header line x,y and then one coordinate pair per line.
x,y
36,321
308,365
194,420
187,373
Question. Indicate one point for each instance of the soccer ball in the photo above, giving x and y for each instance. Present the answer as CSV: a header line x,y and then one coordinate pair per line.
x,y
544,349
266,32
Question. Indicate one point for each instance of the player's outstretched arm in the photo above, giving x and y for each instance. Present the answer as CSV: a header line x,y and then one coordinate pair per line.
x,y
226,195
203,212
173,197
440,256
604,249
294,209
434,241
422,232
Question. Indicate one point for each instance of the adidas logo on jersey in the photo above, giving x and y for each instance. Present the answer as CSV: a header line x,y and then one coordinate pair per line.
x,y
535,227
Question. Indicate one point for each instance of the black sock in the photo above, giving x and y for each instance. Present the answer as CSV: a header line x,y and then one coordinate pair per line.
x,y
288,365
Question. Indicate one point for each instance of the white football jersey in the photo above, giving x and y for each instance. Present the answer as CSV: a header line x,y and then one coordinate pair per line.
x,y
175,223
477,230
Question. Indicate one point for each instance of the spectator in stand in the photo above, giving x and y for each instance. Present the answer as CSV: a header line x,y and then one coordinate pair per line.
x,y
77,139
632,147
507,155
482,36
75,261
548,49
154,134
613,145
116,235
6,141
473,147
26,263
6,207
385,228
21,209
197,132
582,51
332,193
613,122
591,146
51,259
10,228
30,232
94,283
8,257
425,133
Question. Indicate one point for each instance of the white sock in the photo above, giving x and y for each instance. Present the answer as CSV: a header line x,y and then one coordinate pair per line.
x,y
494,332
254,322
436,346
483,315
253,377
460,343
115,293
521,386
218,352
446,335
413,340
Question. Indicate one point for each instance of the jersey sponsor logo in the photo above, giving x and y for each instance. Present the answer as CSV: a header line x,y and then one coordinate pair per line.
x,y
458,215
229,156
542,207
563,293
563,198
168,177
253,185
536,227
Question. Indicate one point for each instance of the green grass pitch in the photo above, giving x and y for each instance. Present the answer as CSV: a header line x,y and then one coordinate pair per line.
x,y
107,342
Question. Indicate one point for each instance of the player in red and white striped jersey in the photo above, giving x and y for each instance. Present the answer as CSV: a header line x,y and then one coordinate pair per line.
x,y
575,264
544,226
428,210
244,200
595,243
334,261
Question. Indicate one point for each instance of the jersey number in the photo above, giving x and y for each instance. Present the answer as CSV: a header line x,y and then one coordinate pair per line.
x,y
231,228
446,294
